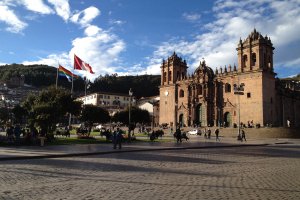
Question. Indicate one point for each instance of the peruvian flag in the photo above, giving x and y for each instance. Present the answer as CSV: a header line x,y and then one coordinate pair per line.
x,y
81,65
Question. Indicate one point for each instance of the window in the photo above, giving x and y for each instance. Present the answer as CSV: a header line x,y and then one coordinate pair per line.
x,y
248,95
181,93
101,96
227,87
165,76
200,90
254,58
245,59
170,76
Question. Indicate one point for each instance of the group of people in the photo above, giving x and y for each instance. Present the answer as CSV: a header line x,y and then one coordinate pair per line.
x,y
13,133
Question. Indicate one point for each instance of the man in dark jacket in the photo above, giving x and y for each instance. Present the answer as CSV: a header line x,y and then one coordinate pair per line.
x,y
117,138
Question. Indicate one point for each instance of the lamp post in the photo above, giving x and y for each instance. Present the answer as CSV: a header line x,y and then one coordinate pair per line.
x,y
239,90
129,117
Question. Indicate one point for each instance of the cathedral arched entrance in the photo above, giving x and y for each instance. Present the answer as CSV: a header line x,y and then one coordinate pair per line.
x,y
227,119
199,118
181,120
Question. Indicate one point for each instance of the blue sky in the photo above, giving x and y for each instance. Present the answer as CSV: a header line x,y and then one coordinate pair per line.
x,y
132,37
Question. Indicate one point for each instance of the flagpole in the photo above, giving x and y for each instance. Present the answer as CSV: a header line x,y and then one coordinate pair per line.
x,y
70,117
57,76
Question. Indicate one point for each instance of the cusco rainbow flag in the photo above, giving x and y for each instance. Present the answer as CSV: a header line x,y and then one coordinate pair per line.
x,y
63,72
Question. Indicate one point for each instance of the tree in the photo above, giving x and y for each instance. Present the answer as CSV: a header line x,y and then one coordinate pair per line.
x,y
19,112
4,115
93,114
137,116
50,106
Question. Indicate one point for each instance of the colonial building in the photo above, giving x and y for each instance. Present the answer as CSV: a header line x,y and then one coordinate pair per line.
x,y
112,102
247,93
151,104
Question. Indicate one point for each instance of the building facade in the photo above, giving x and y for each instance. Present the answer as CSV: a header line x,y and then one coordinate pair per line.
x,y
112,102
248,93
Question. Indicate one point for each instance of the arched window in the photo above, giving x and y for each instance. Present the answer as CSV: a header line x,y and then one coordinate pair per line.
x,y
245,59
227,87
199,90
254,58
181,93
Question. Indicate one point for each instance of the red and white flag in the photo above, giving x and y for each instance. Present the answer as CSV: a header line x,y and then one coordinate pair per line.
x,y
81,65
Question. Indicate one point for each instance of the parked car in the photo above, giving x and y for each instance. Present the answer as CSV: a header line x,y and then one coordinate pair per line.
x,y
194,132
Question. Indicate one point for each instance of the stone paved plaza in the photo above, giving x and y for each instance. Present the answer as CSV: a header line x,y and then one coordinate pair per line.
x,y
262,172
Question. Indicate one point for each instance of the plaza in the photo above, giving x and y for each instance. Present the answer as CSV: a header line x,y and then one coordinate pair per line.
x,y
259,169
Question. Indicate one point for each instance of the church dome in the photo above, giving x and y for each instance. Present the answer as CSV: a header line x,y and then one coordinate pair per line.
x,y
203,69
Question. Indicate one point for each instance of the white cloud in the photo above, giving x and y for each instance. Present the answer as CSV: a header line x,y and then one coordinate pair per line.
x,y
37,6
192,17
92,30
100,49
15,25
85,17
62,8
235,19
51,60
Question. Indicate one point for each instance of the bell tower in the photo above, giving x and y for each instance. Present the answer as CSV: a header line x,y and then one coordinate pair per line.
x,y
173,69
255,53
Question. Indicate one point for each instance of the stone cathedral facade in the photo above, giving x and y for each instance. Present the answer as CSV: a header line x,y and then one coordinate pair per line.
x,y
211,98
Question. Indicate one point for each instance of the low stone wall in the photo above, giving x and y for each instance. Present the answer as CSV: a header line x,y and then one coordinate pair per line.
x,y
261,132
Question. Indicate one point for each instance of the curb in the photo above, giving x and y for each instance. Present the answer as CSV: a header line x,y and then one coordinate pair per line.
x,y
123,151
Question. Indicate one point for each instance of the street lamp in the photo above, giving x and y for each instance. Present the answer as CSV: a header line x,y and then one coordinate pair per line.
x,y
239,90
129,117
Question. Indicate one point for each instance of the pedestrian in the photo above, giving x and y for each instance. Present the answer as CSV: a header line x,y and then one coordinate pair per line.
x,y
178,135
208,133
117,138
205,135
17,133
217,134
243,136
288,123
9,134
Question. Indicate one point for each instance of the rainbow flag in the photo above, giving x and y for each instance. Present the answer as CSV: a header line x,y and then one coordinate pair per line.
x,y
63,72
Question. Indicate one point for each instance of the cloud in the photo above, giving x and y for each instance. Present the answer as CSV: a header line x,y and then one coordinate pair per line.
x,y
15,25
51,60
85,17
62,8
192,17
235,19
99,48
37,6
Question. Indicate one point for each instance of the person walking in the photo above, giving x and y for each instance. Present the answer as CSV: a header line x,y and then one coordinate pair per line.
x,y
243,136
208,133
217,134
17,133
178,135
117,138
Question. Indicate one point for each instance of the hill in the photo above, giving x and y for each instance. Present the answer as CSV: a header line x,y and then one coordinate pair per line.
x,y
41,76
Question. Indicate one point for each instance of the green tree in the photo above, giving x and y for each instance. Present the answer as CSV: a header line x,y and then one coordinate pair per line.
x,y
49,107
137,115
93,114
19,113
4,115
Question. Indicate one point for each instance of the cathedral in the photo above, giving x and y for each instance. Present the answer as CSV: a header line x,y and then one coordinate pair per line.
x,y
247,94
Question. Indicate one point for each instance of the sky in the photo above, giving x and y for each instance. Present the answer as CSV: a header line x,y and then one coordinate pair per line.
x,y
132,37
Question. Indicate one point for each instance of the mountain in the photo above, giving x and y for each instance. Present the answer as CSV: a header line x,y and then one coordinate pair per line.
x,y
41,76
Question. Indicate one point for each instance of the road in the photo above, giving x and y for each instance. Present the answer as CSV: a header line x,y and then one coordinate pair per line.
x,y
264,172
